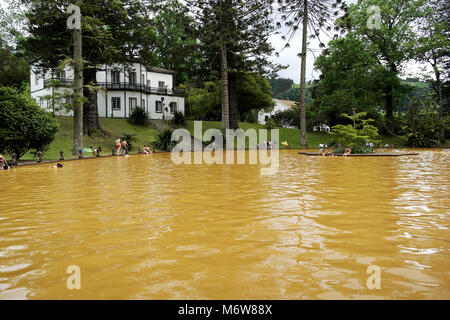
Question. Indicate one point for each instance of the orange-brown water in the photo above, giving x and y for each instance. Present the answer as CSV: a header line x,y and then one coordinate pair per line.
x,y
144,228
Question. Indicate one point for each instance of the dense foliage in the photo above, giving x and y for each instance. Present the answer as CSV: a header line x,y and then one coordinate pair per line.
x,y
357,136
179,119
164,141
23,124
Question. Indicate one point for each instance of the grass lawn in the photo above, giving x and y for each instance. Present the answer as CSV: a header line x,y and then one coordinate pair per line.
x,y
115,128
144,135
292,136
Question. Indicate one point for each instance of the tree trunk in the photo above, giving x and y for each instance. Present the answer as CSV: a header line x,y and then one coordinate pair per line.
x,y
389,99
90,108
78,94
389,110
234,111
441,106
224,79
303,141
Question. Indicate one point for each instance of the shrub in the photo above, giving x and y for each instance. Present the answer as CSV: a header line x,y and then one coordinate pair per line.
x,y
252,116
179,118
359,149
23,124
270,124
287,118
164,141
356,136
422,127
139,117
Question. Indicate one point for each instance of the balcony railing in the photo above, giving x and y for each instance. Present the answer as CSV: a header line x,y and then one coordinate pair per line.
x,y
59,82
121,86
141,88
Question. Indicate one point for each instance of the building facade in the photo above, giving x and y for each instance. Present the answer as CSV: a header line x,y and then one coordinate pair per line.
x,y
123,87
280,105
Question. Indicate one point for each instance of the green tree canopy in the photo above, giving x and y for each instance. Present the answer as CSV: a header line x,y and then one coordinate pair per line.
x,y
23,124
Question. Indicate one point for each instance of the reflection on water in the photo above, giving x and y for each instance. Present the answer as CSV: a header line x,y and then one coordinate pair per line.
x,y
144,228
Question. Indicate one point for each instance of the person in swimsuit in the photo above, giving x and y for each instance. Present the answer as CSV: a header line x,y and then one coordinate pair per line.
x,y
347,151
118,146
147,150
4,163
124,148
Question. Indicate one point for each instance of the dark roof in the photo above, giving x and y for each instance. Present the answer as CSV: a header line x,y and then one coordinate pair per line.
x,y
160,70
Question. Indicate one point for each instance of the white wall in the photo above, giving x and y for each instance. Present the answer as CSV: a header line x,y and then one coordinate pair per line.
x,y
279,106
105,98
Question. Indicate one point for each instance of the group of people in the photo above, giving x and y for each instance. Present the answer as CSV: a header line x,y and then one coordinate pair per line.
x,y
323,153
122,148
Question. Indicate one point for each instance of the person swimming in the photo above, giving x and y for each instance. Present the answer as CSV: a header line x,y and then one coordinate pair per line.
x,y
147,150
4,163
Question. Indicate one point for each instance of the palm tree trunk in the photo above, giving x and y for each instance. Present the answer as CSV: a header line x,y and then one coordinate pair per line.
x,y
78,94
303,77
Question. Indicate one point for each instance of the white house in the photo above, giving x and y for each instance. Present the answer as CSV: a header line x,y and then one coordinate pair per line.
x,y
322,128
280,105
125,86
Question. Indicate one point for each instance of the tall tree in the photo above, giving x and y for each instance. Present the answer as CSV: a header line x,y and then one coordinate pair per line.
x,y
434,47
313,17
352,78
392,37
176,42
14,69
113,32
233,35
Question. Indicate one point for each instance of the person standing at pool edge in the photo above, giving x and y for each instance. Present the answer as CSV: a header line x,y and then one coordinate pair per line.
x,y
118,146
124,148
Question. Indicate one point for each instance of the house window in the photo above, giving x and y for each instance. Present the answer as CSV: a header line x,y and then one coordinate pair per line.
x,y
61,75
115,77
115,103
173,107
159,106
132,78
142,79
149,83
161,87
133,103
36,78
